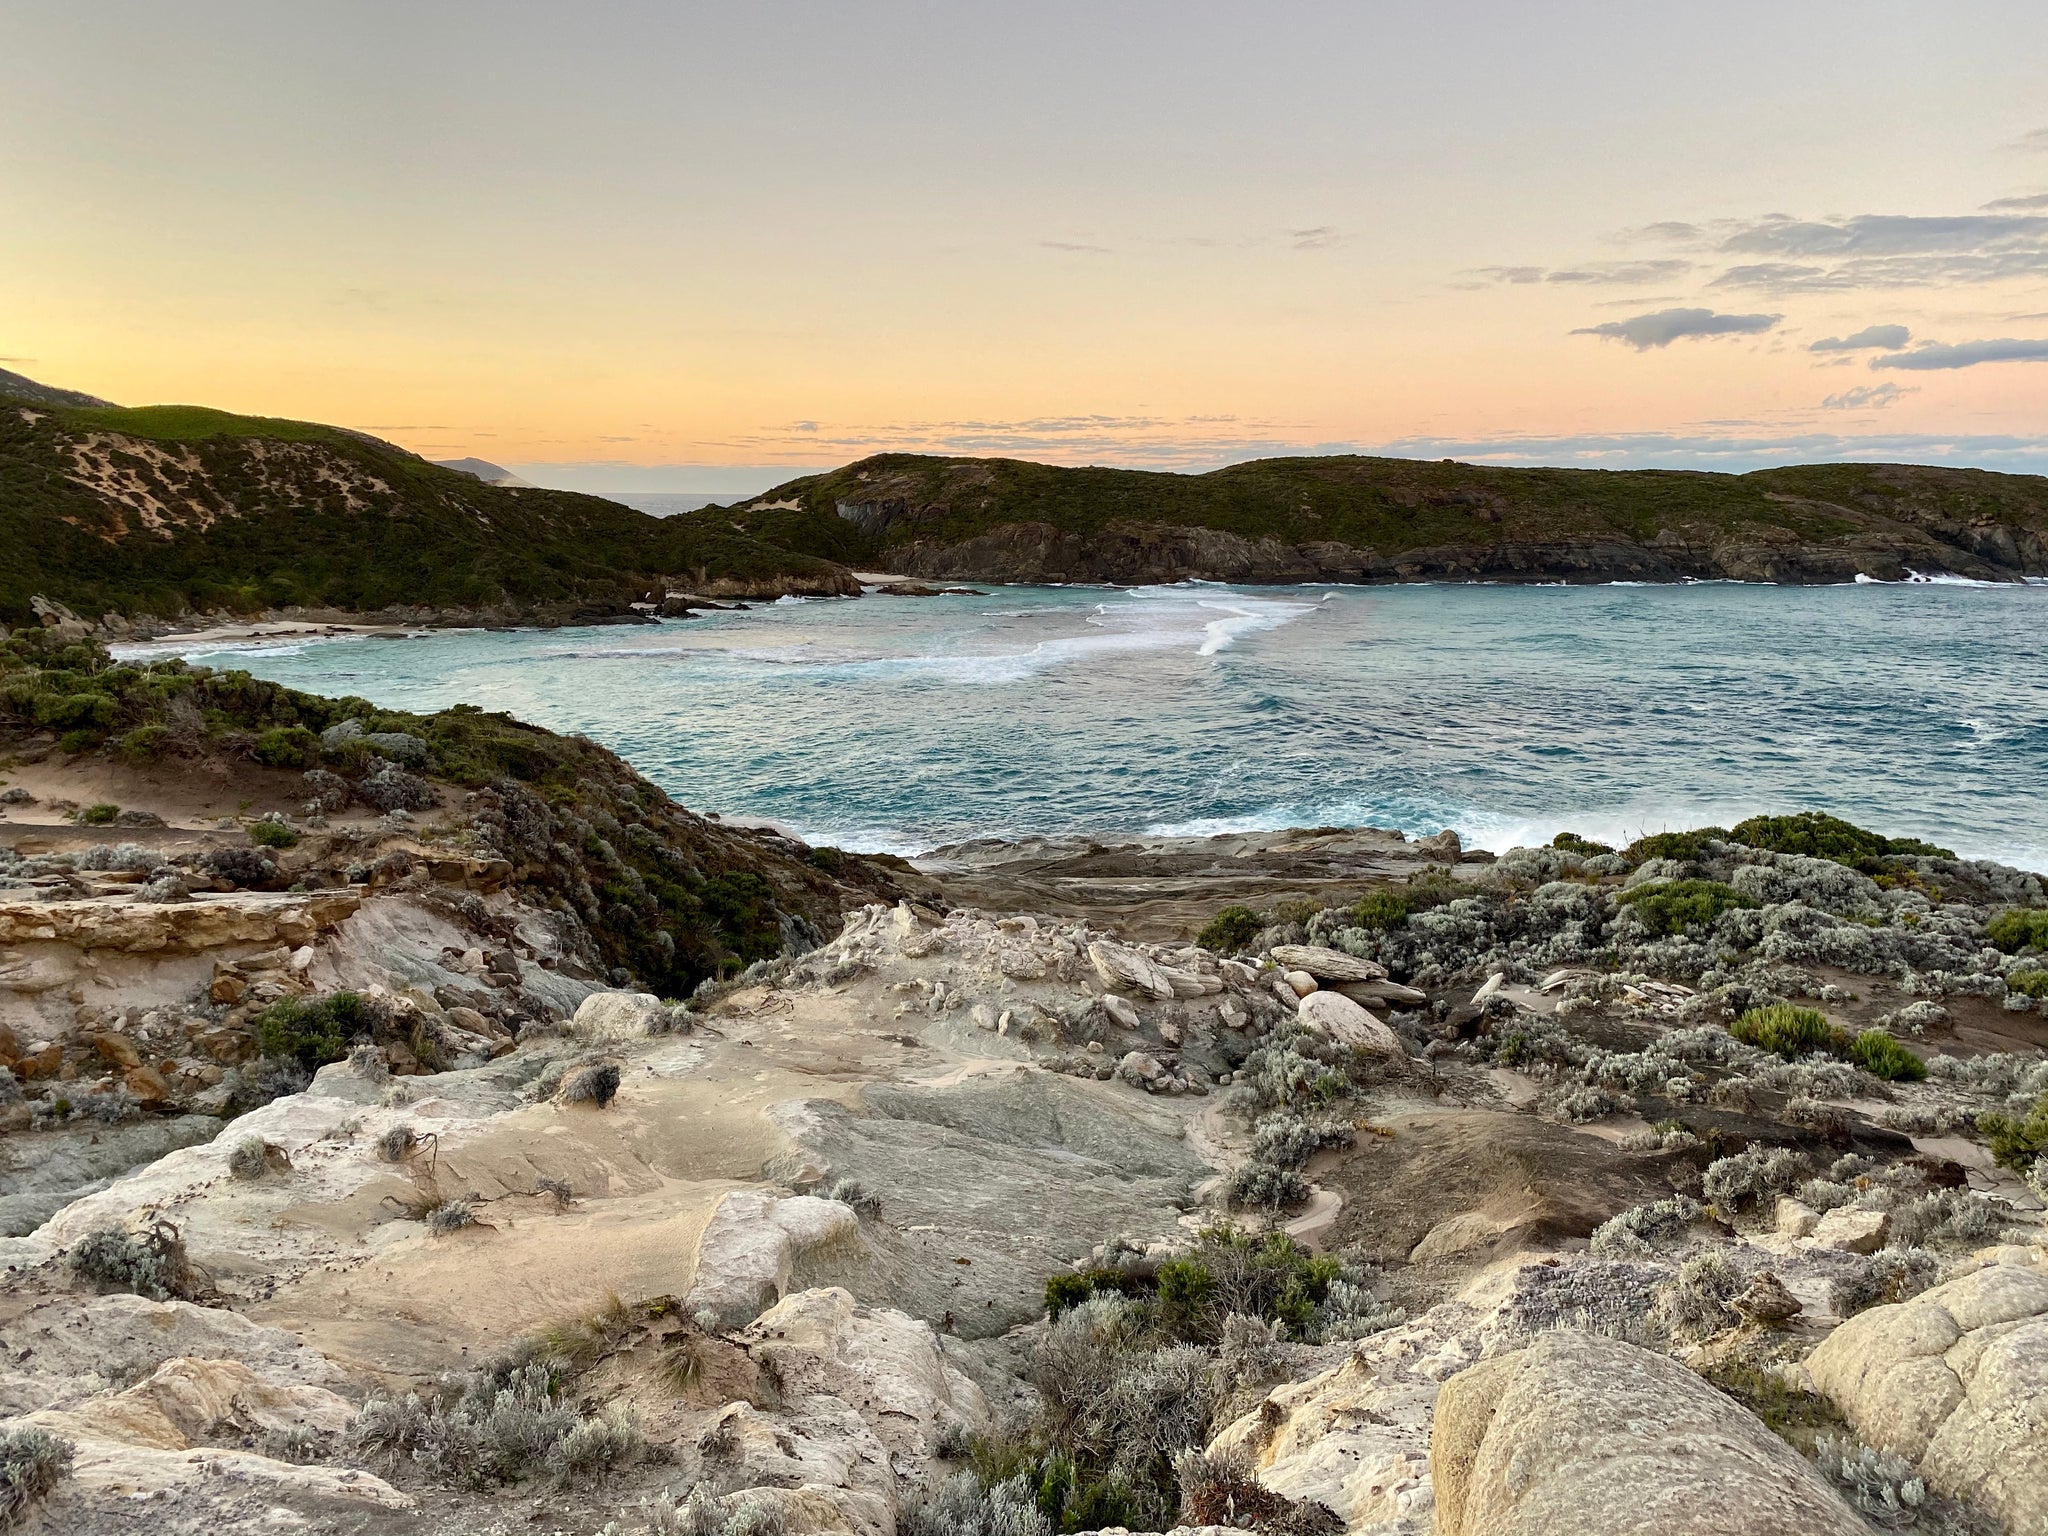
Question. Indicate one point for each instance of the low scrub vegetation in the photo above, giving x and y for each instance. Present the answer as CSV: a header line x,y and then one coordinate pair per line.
x,y
1678,906
32,1462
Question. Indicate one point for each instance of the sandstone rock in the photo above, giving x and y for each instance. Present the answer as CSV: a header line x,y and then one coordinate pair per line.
x,y
246,917
749,1245
1232,1013
1137,1067
187,1402
1796,1219
1384,993
1852,1231
1120,1011
227,988
604,1016
1765,1301
147,1085
1445,847
116,1050
1955,1380
1327,964
1580,1433
1121,967
1335,1015
1300,983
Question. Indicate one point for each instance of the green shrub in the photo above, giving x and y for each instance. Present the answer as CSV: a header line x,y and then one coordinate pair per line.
x,y
1066,1290
145,744
272,834
1379,911
99,815
1884,1058
287,746
1682,846
2018,928
77,711
1676,906
1585,847
2018,1142
1788,1030
317,1031
1819,836
2028,983
1230,930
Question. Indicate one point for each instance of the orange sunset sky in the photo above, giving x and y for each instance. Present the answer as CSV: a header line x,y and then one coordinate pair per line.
x,y
693,247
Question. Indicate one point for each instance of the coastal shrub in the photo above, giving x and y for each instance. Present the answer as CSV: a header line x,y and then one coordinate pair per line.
x,y
1888,1275
2017,1141
599,1446
1676,906
1681,847
1288,1141
495,1425
963,1506
272,834
32,1462
451,1216
1785,1029
1884,1058
1891,1494
1231,930
1223,1490
1585,847
1756,1174
99,815
1378,911
287,746
253,1157
151,1262
1946,1216
1637,1232
596,1085
317,1031
2018,929
2028,983
146,743
1696,1303
1257,1186
1817,835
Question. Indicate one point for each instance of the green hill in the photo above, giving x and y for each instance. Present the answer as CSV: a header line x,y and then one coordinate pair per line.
x,y
1404,519
163,510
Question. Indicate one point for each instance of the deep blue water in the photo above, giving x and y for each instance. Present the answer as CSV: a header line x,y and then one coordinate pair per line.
x,y
1509,713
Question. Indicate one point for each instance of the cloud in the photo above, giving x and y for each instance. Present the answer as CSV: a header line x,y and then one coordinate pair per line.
x,y
1075,245
1866,397
2018,204
1933,355
1886,337
1625,274
1669,325
2031,143
1321,238
1883,251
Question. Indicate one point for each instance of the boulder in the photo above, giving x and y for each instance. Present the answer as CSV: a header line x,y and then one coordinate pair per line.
x,y
1335,1015
618,1016
1796,1218
749,1246
1120,1011
1327,964
1126,968
1852,1231
1579,1433
1384,993
1956,1380
1765,1301
1137,1067
1300,983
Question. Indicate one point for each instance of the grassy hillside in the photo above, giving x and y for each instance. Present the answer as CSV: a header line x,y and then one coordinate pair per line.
x,y
164,509
894,501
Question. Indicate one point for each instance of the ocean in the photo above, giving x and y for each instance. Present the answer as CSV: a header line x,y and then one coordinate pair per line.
x,y
1508,713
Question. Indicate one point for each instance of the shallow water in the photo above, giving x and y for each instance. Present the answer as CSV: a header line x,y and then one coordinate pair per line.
x,y
1509,713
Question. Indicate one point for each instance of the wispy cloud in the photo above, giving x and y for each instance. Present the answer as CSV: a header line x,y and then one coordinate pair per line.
x,y
1668,325
2035,143
1076,246
2017,204
1881,337
1621,274
1866,397
1734,452
1932,356
1882,251
1320,238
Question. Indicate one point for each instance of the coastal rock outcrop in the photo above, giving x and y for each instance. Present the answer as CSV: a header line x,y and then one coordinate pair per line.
x,y
1956,1381
1579,1432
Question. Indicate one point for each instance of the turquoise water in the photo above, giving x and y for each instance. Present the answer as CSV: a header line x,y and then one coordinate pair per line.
x,y
1508,713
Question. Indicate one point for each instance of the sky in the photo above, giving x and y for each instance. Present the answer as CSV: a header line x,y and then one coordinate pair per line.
x,y
626,245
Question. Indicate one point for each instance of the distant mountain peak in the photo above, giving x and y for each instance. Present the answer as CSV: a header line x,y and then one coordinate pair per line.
x,y
486,471
15,386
